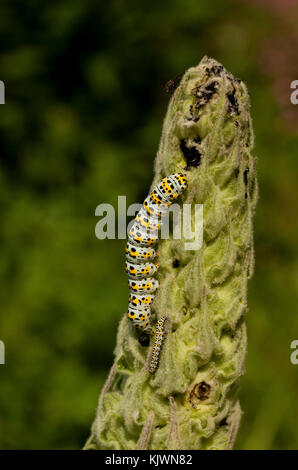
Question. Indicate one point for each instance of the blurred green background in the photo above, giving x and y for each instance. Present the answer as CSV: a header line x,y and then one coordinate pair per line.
x,y
85,101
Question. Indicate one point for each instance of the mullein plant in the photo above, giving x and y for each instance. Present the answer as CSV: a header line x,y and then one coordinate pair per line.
x,y
191,401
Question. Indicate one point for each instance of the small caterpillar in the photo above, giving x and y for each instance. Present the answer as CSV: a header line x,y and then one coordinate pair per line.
x,y
140,253
158,339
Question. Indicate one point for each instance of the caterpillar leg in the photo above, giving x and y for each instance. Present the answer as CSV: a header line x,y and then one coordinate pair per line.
x,y
159,333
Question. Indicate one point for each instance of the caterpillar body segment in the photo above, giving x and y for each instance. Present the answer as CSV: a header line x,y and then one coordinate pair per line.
x,y
149,222
155,197
139,235
140,300
157,210
143,286
139,254
143,235
169,189
136,271
180,181
140,318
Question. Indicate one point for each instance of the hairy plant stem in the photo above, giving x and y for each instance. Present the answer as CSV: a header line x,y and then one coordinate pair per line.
x,y
191,402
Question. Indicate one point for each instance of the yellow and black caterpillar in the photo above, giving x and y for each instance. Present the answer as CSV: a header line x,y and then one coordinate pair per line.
x,y
140,254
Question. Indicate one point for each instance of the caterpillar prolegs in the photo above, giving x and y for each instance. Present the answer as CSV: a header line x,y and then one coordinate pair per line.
x,y
140,255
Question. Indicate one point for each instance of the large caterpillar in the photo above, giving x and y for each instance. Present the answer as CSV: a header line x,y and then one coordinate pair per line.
x,y
140,253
